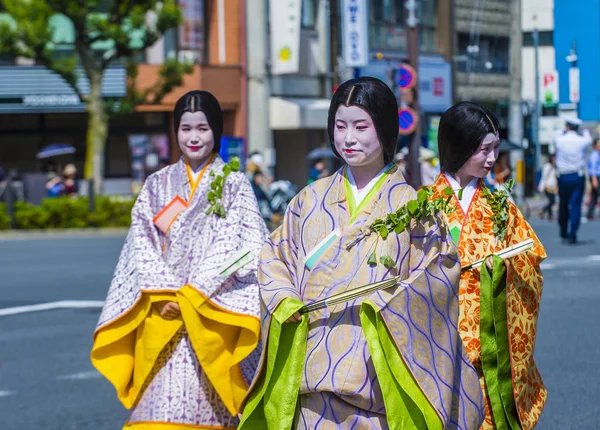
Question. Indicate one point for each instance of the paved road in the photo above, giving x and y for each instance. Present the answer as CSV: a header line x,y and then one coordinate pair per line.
x,y
47,382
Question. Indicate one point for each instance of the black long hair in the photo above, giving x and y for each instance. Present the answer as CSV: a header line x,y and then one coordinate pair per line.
x,y
201,101
378,100
461,130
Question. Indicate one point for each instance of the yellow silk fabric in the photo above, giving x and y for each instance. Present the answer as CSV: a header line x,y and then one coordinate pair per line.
x,y
126,350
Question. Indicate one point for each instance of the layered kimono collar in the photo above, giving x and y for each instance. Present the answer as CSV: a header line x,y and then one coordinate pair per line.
x,y
359,195
338,181
468,192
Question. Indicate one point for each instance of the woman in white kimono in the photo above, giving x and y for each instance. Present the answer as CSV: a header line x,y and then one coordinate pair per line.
x,y
179,331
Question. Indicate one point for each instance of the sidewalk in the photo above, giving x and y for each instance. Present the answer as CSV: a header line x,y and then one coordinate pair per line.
x,y
62,233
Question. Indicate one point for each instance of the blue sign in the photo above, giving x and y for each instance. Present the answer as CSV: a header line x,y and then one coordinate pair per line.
x,y
408,120
233,147
406,77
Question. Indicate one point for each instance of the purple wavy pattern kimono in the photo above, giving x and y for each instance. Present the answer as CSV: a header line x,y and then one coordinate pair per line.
x,y
191,254
339,386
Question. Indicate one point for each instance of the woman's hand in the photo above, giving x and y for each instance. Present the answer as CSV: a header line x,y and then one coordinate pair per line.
x,y
294,318
168,310
489,264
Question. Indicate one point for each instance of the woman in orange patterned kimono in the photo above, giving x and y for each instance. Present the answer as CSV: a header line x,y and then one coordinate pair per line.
x,y
499,303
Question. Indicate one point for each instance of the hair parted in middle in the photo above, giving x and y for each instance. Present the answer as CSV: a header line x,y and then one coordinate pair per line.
x,y
201,101
462,129
378,100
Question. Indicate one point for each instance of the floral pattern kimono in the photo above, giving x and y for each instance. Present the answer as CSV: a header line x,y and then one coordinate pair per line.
x,y
192,371
499,332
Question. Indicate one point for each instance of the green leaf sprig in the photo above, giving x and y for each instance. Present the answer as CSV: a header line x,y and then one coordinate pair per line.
x,y
420,208
499,203
216,188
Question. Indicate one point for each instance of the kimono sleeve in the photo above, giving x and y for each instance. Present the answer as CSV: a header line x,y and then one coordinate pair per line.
x,y
426,378
280,269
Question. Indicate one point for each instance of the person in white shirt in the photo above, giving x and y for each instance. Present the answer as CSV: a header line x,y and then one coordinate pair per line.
x,y
549,186
571,149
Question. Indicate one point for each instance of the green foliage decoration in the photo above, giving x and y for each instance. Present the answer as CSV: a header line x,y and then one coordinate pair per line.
x,y
216,188
415,210
499,202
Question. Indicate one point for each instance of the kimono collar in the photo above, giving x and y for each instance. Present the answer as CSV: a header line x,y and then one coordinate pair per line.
x,y
468,192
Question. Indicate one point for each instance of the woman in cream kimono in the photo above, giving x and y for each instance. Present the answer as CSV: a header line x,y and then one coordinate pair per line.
x,y
499,303
179,331
392,359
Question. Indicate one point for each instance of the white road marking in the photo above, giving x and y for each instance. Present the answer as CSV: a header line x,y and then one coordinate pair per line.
x,y
6,393
593,258
63,304
547,266
90,374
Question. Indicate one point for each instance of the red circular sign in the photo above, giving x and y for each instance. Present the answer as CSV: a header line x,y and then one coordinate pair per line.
x,y
406,77
408,120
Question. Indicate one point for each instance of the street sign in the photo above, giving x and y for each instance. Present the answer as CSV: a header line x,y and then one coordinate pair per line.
x,y
549,87
574,84
408,120
406,77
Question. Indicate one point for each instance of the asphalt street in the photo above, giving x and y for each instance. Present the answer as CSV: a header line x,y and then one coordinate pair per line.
x,y
47,381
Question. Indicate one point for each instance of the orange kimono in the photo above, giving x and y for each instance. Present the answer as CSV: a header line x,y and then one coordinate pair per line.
x,y
518,281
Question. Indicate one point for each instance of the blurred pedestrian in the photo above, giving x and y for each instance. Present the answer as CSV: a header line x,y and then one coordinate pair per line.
x,y
502,170
428,169
54,182
571,149
549,186
264,202
318,171
71,186
594,174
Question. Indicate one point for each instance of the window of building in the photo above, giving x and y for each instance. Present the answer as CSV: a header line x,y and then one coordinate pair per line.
x,y
545,38
487,54
428,26
387,25
309,13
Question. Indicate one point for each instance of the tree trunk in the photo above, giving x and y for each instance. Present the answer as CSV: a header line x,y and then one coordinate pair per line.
x,y
97,133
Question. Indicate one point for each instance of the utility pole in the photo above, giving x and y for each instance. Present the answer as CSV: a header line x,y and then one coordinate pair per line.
x,y
537,107
572,58
515,123
334,18
412,34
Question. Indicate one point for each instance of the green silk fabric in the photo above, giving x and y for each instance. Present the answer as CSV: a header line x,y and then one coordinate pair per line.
x,y
495,355
406,405
272,403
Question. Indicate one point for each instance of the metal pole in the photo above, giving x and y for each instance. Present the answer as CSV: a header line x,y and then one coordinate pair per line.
x,y
10,200
574,65
334,40
537,107
413,58
91,195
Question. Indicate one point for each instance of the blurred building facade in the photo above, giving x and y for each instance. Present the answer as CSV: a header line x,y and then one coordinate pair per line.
x,y
38,108
483,34
287,109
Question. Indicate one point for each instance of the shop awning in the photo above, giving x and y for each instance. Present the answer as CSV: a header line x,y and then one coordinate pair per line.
x,y
298,113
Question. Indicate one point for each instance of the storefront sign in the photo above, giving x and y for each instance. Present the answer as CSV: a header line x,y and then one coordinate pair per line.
x,y
355,31
435,86
35,89
285,36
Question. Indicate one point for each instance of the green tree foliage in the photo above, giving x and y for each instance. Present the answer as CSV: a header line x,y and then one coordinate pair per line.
x,y
106,32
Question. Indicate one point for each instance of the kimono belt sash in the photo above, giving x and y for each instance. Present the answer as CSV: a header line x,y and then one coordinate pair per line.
x,y
495,356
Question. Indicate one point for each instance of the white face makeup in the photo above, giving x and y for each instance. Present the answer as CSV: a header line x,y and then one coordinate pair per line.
x,y
355,137
482,161
195,138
